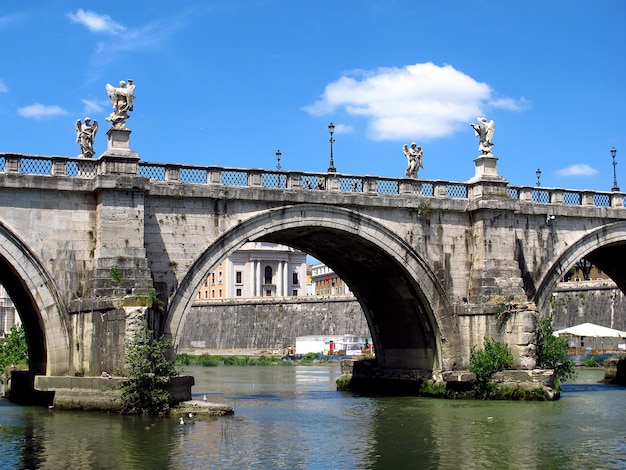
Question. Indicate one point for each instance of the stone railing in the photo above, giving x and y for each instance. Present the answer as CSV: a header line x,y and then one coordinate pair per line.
x,y
275,179
571,197
46,165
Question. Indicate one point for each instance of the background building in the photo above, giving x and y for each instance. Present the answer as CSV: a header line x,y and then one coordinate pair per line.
x,y
326,282
8,313
258,269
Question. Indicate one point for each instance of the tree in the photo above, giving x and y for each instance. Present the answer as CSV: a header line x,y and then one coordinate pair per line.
x,y
143,392
552,352
484,363
13,348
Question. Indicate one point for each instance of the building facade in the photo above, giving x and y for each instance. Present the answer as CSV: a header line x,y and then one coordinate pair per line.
x,y
258,269
8,313
326,282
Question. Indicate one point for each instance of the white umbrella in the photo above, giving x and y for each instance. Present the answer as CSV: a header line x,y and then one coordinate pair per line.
x,y
590,330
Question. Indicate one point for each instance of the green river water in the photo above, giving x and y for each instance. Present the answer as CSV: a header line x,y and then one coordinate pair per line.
x,y
292,417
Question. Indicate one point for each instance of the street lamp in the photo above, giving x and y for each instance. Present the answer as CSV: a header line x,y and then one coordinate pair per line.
x,y
278,154
538,173
615,187
331,129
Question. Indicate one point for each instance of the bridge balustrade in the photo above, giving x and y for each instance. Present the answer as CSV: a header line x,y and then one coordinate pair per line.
x,y
276,179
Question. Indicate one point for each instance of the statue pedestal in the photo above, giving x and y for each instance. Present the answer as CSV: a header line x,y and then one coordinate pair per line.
x,y
486,182
486,168
119,158
119,143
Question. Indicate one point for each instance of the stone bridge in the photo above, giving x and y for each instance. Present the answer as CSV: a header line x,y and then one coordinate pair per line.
x,y
87,246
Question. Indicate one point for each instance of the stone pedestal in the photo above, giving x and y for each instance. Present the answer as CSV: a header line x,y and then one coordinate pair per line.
x,y
119,159
486,168
119,143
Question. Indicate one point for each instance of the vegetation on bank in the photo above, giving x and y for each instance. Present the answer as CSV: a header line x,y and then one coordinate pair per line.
x,y
484,363
428,388
552,353
149,370
207,360
13,349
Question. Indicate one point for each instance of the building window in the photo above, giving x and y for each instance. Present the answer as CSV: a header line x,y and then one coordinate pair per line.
x,y
219,277
212,279
238,277
268,274
294,278
294,292
220,293
268,293
213,293
238,292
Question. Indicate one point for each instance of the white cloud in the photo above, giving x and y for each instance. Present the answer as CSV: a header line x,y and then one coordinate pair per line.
x,y
3,87
579,169
96,23
92,106
343,129
418,101
38,111
510,104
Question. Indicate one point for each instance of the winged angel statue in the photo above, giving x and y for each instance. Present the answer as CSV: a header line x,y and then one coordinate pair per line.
x,y
85,136
414,159
484,131
122,100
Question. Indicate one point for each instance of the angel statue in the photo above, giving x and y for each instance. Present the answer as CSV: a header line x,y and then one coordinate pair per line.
x,y
122,101
85,136
484,130
414,158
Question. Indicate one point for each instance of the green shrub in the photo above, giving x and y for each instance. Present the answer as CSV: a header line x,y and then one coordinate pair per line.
x,y
13,349
592,362
484,363
308,358
552,352
343,383
149,370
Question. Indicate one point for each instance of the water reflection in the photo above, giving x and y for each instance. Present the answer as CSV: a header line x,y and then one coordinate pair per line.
x,y
292,417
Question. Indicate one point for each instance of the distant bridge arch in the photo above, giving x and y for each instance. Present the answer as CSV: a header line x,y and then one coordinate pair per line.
x,y
36,299
409,316
601,247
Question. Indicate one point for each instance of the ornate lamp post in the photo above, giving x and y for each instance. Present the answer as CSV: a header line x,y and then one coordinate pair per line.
x,y
278,155
331,129
615,187
538,173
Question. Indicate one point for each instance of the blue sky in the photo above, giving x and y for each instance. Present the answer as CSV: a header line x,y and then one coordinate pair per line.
x,y
229,82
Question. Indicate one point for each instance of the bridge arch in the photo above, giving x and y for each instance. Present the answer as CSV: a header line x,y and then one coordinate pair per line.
x,y
605,247
409,316
32,290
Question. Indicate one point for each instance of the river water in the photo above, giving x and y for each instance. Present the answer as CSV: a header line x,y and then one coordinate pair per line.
x,y
292,417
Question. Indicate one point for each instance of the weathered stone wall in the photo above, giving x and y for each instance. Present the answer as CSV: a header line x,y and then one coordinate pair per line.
x,y
599,302
265,324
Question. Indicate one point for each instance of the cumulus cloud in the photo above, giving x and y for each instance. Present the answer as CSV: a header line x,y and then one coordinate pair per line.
x,y
3,87
579,169
96,23
38,111
419,101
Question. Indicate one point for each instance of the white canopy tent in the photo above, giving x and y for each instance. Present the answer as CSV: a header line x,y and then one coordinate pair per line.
x,y
589,330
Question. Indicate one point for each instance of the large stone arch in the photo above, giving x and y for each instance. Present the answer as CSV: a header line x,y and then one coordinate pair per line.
x,y
605,247
35,296
409,316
